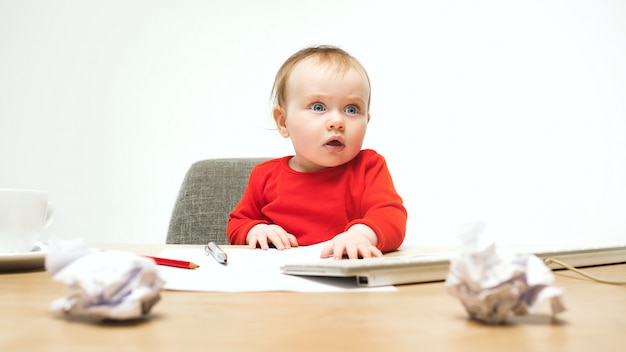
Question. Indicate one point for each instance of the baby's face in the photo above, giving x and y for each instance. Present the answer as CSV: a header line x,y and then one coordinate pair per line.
x,y
325,115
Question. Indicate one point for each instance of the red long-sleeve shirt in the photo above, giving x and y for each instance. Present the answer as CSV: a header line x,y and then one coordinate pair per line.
x,y
316,206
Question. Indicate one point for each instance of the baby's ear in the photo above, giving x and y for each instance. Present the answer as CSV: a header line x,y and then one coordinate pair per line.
x,y
281,121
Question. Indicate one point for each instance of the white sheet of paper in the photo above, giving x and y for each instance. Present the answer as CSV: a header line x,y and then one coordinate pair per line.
x,y
251,271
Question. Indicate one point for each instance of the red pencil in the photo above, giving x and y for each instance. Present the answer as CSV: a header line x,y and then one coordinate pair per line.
x,y
173,262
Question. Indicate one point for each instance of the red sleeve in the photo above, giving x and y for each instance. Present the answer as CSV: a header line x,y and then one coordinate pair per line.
x,y
247,212
381,205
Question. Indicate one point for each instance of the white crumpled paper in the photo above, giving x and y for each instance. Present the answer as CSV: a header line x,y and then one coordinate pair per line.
x,y
106,284
493,284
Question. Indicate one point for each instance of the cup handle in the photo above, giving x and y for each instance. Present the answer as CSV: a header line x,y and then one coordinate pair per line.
x,y
49,215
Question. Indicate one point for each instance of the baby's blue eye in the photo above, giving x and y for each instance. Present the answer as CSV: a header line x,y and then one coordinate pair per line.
x,y
317,107
351,109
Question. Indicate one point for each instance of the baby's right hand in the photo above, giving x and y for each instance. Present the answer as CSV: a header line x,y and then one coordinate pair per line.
x,y
262,235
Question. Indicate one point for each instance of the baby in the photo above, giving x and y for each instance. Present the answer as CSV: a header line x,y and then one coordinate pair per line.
x,y
330,189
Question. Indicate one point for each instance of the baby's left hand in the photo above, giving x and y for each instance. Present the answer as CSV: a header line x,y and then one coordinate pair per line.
x,y
358,242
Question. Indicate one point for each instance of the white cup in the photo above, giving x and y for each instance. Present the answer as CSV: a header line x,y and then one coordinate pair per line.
x,y
23,216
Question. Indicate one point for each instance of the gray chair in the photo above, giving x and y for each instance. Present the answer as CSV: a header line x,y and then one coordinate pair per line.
x,y
209,192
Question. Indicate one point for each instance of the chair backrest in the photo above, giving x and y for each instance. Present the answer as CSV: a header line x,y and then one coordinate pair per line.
x,y
210,191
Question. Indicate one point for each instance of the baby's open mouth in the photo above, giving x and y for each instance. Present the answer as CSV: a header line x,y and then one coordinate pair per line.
x,y
335,142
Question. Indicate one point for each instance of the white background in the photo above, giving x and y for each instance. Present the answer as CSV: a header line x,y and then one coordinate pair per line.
x,y
513,112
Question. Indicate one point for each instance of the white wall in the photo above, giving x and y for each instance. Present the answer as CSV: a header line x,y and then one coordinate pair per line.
x,y
510,112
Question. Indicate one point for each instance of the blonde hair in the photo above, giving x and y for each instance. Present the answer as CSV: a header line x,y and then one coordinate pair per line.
x,y
325,54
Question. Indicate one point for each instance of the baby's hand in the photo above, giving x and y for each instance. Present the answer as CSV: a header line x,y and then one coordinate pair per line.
x,y
262,235
358,242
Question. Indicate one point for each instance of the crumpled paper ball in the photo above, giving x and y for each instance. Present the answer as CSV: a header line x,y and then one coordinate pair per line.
x,y
106,284
494,284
